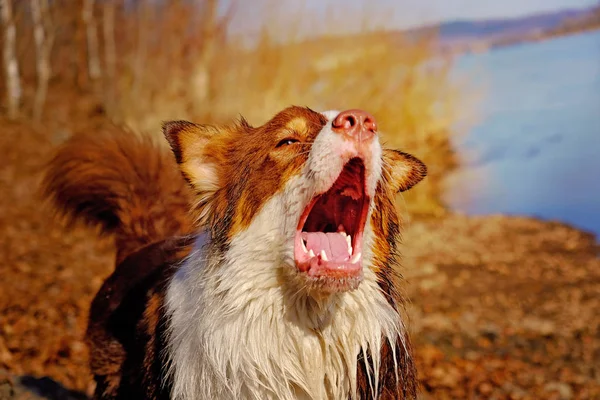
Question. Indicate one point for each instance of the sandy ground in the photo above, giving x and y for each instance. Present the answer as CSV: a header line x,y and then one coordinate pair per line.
x,y
501,307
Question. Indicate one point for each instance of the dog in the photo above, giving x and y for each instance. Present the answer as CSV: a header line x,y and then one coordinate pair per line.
x,y
263,267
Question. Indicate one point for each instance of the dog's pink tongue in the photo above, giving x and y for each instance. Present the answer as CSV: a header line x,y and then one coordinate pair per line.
x,y
334,245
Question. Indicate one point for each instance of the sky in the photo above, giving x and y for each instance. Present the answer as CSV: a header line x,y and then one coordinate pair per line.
x,y
390,14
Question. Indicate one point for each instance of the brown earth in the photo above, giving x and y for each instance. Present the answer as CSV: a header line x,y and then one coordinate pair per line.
x,y
502,307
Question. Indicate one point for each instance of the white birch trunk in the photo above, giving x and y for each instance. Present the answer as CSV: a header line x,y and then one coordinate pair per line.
x,y
110,55
11,64
43,36
91,33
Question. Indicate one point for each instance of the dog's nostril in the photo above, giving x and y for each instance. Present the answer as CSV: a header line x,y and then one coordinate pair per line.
x,y
370,124
345,121
350,121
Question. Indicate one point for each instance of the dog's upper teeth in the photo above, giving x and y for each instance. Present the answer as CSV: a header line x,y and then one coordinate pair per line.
x,y
311,253
356,258
323,256
349,241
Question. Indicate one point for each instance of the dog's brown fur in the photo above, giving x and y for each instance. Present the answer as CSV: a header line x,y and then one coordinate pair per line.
x,y
125,184
131,189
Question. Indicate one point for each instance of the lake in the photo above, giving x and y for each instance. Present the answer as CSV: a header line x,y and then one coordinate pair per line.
x,y
536,147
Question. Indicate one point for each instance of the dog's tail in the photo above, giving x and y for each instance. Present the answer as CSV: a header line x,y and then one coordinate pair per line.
x,y
126,185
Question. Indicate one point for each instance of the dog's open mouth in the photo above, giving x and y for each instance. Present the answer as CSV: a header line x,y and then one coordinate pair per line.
x,y
328,241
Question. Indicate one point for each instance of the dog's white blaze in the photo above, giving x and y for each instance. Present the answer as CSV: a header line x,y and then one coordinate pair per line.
x,y
324,164
241,327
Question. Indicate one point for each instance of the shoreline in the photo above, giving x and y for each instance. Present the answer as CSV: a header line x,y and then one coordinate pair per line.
x,y
504,307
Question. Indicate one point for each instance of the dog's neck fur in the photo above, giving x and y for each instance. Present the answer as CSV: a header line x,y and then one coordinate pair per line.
x,y
238,331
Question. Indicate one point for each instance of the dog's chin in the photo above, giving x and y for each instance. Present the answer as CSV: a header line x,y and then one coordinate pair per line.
x,y
320,286
327,285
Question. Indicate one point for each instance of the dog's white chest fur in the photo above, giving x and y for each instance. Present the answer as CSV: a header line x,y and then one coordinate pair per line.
x,y
237,331
266,349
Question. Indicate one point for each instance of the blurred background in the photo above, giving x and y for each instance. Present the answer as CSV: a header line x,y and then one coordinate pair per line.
x,y
500,99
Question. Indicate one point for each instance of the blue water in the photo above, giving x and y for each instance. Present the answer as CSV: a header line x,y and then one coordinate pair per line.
x,y
536,147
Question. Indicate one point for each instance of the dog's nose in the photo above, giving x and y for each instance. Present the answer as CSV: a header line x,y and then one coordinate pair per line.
x,y
357,125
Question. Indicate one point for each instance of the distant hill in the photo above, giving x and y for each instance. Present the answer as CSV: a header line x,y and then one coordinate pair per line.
x,y
492,32
457,36
496,27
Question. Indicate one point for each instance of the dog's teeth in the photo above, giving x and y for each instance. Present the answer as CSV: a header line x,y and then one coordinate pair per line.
x,y
349,241
303,246
311,253
355,258
323,256
343,233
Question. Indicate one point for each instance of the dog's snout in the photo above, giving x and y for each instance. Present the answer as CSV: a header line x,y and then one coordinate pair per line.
x,y
357,125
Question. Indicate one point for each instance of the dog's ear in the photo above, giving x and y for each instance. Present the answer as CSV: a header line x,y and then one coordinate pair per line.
x,y
189,144
401,170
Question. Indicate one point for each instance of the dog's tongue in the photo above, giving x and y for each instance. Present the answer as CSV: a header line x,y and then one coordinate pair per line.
x,y
334,244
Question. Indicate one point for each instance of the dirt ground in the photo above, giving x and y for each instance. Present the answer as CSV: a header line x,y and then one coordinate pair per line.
x,y
501,307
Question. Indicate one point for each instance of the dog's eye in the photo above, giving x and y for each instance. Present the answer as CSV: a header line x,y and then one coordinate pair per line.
x,y
287,142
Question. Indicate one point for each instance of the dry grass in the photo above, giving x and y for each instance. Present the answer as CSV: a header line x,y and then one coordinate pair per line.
x,y
175,60
404,82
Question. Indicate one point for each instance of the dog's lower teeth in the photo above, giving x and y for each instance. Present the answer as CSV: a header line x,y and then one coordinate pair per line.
x,y
303,246
323,256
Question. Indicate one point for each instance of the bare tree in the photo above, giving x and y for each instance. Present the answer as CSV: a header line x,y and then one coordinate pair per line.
x,y
213,27
92,39
144,12
110,54
11,65
44,37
